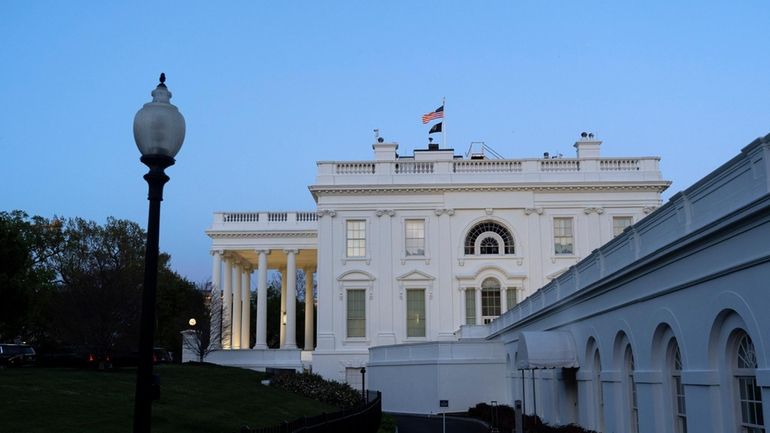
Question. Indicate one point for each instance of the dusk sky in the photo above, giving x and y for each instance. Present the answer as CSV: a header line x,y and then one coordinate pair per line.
x,y
268,88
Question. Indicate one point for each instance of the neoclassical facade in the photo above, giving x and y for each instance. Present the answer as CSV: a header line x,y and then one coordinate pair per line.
x,y
410,249
664,328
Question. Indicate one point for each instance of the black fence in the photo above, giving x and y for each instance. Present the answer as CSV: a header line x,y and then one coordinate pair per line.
x,y
364,418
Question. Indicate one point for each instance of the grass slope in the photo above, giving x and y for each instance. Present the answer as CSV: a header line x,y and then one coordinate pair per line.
x,y
194,399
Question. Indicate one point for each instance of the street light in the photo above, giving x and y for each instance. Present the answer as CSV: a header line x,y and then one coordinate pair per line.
x,y
159,132
363,384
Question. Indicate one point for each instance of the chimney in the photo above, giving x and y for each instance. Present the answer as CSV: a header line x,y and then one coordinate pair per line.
x,y
587,146
384,151
431,144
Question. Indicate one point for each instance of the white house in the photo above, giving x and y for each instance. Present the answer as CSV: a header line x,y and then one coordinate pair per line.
x,y
409,249
665,328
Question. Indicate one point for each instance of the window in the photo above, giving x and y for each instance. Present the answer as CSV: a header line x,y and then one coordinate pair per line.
x,y
489,246
619,223
510,297
749,394
415,237
356,238
631,388
489,243
598,392
415,312
356,313
470,306
680,411
490,299
563,239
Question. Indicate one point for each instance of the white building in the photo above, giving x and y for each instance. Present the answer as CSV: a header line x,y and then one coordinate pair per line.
x,y
665,328
407,250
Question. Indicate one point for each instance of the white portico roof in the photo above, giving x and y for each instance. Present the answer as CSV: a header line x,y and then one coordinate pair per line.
x,y
547,349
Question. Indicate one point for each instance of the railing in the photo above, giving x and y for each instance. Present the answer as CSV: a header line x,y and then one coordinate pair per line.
x,y
487,166
241,217
307,216
551,165
355,168
364,418
416,167
298,219
618,164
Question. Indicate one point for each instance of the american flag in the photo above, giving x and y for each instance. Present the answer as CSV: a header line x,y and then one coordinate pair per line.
x,y
433,115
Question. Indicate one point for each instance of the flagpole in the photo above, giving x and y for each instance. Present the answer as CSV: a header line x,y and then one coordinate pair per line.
x,y
443,127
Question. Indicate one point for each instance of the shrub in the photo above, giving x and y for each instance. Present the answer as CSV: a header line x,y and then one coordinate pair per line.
x,y
532,424
314,386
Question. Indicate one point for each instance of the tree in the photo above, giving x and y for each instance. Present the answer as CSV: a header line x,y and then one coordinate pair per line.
x,y
26,277
201,339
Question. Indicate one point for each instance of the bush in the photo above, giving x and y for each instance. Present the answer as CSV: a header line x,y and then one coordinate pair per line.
x,y
532,424
314,386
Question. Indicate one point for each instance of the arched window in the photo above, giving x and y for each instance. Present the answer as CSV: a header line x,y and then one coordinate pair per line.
x,y
631,389
598,391
677,388
749,394
490,299
487,237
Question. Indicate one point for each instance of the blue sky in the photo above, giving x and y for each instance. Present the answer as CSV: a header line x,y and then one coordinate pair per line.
x,y
268,88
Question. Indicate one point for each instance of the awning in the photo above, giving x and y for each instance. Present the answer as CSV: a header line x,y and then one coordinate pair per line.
x,y
548,349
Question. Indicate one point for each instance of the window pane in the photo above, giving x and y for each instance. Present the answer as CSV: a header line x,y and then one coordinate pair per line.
x,y
620,223
510,297
356,313
490,302
563,239
470,307
356,238
415,312
415,237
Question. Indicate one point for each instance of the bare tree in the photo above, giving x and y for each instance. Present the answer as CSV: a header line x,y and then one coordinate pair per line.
x,y
206,335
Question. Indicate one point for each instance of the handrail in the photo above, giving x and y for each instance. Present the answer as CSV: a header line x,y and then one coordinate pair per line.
x,y
364,418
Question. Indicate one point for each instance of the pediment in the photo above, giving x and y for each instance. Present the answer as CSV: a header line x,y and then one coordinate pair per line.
x,y
356,276
415,275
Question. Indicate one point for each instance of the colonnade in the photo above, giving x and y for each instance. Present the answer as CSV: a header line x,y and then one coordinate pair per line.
x,y
231,321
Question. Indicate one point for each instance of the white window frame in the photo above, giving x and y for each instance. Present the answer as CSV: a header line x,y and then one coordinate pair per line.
x,y
404,255
347,313
631,391
745,376
678,402
615,231
424,291
472,296
572,220
489,318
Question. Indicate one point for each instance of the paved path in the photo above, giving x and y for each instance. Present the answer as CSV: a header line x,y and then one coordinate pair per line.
x,y
433,424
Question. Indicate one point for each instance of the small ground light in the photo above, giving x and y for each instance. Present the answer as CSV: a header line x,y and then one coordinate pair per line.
x,y
192,322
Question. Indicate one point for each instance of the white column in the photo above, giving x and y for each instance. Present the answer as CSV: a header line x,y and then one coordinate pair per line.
x,y
216,299
290,339
227,305
503,300
479,320
261,342
246,308
236,301
309,328
282,318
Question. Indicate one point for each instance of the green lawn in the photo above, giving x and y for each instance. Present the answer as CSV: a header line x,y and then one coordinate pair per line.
x,y
194,398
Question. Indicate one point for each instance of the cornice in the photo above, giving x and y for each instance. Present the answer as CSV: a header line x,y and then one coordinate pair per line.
x,y
658,186
213,234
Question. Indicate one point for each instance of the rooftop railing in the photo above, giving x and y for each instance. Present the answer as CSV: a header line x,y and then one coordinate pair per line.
x,y
468,168
290,219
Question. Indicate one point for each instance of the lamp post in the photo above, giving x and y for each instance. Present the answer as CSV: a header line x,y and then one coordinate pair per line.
x,y
363,384
159,132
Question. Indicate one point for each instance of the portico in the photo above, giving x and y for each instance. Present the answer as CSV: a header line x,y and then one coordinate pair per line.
x,y
251,244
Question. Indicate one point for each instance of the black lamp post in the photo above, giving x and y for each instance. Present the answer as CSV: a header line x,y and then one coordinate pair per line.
x,y
363,383
159,132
